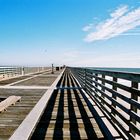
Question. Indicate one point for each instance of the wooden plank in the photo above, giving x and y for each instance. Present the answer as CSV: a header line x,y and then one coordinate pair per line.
x,y
11,100
27,78
99,86
25,87
25,129
119,85
126,99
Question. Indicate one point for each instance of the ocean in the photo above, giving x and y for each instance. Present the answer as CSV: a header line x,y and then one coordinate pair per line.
x,y
131,70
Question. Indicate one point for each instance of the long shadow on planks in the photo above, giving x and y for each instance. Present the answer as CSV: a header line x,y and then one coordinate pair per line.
x,y
40,131
63,100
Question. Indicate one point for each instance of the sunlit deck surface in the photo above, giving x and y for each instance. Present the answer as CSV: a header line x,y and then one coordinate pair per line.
x,y
67,115
30,88
58,106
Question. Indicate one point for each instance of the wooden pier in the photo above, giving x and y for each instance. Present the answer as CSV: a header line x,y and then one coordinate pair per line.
x,y
70,104
67,115
30,88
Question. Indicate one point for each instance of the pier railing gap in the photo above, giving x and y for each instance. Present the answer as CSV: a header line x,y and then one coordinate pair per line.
x,y
124,118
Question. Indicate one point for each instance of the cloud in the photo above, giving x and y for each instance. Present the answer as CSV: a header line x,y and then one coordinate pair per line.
x,y
121,20
88,27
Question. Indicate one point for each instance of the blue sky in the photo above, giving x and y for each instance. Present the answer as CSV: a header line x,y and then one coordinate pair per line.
x,y
103,33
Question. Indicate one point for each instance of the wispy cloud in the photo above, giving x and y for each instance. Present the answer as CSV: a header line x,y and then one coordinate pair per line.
x,y
88,27
121,20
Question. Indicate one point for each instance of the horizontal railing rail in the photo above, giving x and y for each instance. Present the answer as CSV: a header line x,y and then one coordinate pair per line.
x,y
9,71
13,71
117,94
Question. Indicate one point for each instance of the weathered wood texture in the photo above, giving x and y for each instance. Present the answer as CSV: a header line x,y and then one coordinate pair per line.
x,y
68,115
117,100
11,100
28,125
11,119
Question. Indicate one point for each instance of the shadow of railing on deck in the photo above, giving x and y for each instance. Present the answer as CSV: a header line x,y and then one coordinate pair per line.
x,y
111,100
42,126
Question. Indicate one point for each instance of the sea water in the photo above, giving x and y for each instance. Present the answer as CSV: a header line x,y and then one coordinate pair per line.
x,y
131,70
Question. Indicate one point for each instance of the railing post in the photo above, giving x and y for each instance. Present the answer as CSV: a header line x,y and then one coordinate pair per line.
x,y
23,71
16,70
103,83
85,76
4,73
132,107
114,87
96,79
91,82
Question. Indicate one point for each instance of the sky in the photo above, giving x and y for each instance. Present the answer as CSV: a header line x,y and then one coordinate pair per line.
x,y
95,33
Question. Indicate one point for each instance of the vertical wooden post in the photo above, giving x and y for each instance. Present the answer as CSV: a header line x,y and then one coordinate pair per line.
x,y
103,83
15,70
4,73
96,79
23,71
132,107
91,82
38,69
85,82
114,87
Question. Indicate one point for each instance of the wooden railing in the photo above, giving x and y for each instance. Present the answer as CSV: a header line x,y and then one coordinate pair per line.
x,y
13,71
117,94
9,71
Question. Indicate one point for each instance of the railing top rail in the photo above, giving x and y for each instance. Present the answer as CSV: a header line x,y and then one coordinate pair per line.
x,y
131,76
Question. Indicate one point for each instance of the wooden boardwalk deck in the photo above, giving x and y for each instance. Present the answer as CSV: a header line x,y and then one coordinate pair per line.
x,y
67,115
65,111
30,94
71,104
